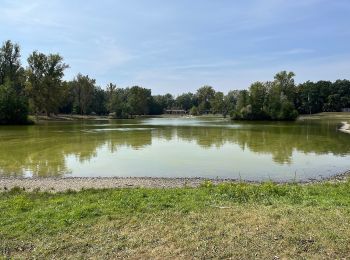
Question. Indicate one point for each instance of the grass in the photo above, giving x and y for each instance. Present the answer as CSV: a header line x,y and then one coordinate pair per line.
x,y
225,221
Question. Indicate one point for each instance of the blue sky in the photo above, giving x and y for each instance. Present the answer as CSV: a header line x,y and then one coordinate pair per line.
x,y
177,46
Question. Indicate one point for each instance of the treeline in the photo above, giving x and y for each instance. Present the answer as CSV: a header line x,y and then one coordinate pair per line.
x,y
40,89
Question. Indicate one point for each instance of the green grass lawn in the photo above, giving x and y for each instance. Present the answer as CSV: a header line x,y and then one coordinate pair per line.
x,y
229,220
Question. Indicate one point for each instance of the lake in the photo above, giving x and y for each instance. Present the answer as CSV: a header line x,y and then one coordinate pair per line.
x,y
311,148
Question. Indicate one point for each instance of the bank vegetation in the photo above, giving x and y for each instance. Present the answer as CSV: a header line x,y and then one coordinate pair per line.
x,y
40,88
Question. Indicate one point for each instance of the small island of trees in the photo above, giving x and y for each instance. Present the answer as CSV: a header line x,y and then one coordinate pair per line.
x,y
40,89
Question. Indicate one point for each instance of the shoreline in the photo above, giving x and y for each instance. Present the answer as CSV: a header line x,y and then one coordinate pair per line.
x,y
77,117
61,184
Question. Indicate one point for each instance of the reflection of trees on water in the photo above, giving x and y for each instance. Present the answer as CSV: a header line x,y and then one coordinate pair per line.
x,y
43,151
132,139
278,140
47,156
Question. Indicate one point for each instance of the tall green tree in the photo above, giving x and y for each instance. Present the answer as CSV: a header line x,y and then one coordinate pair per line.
x,y
67,99
186,101
281,97
268,101
258,94
205,95
83,88
119,103
13,108
99,101
312,97
242,108
139,100
45,73
161,102
10,66
13,102
110,91
230,102
217,103
285,82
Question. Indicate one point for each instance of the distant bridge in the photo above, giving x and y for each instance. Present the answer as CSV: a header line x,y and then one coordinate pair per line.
x,y
175,111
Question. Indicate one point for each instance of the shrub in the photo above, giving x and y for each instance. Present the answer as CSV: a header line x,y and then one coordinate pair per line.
x,y
13,107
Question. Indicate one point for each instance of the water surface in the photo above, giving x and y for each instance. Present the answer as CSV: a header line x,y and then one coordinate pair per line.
x,y
177,147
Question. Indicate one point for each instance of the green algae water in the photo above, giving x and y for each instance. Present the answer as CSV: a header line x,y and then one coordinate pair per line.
x,y
310,148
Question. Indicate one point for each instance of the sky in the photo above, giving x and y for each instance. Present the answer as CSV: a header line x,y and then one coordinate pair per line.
x,y
176,46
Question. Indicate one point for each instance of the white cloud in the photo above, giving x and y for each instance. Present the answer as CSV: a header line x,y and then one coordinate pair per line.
x,y
29,14
164,80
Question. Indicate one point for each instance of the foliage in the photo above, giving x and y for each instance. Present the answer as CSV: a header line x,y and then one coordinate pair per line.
x,y
13,107
13,102
269,100
230,102
138,100
40,89
118,103
84,90
205,95
161,102
217,103
124,103
194,111
323,96
44,83
99,101
186,101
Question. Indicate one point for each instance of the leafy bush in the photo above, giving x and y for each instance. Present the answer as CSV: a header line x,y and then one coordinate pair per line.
x,y
13,107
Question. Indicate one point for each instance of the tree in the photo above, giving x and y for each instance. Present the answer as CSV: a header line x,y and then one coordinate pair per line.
x,y
10,65
67,99
281,97
194,111
110,90
119,105
83,88
217,103
288,111
285,82
169,101
268,101
205,94
258,94
342,88
185,101
311,97
241,109
99,101
13,102
139,100
44,84
13,108
230,101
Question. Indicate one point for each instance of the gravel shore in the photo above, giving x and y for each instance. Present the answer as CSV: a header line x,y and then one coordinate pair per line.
x,y
77,183
53,184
